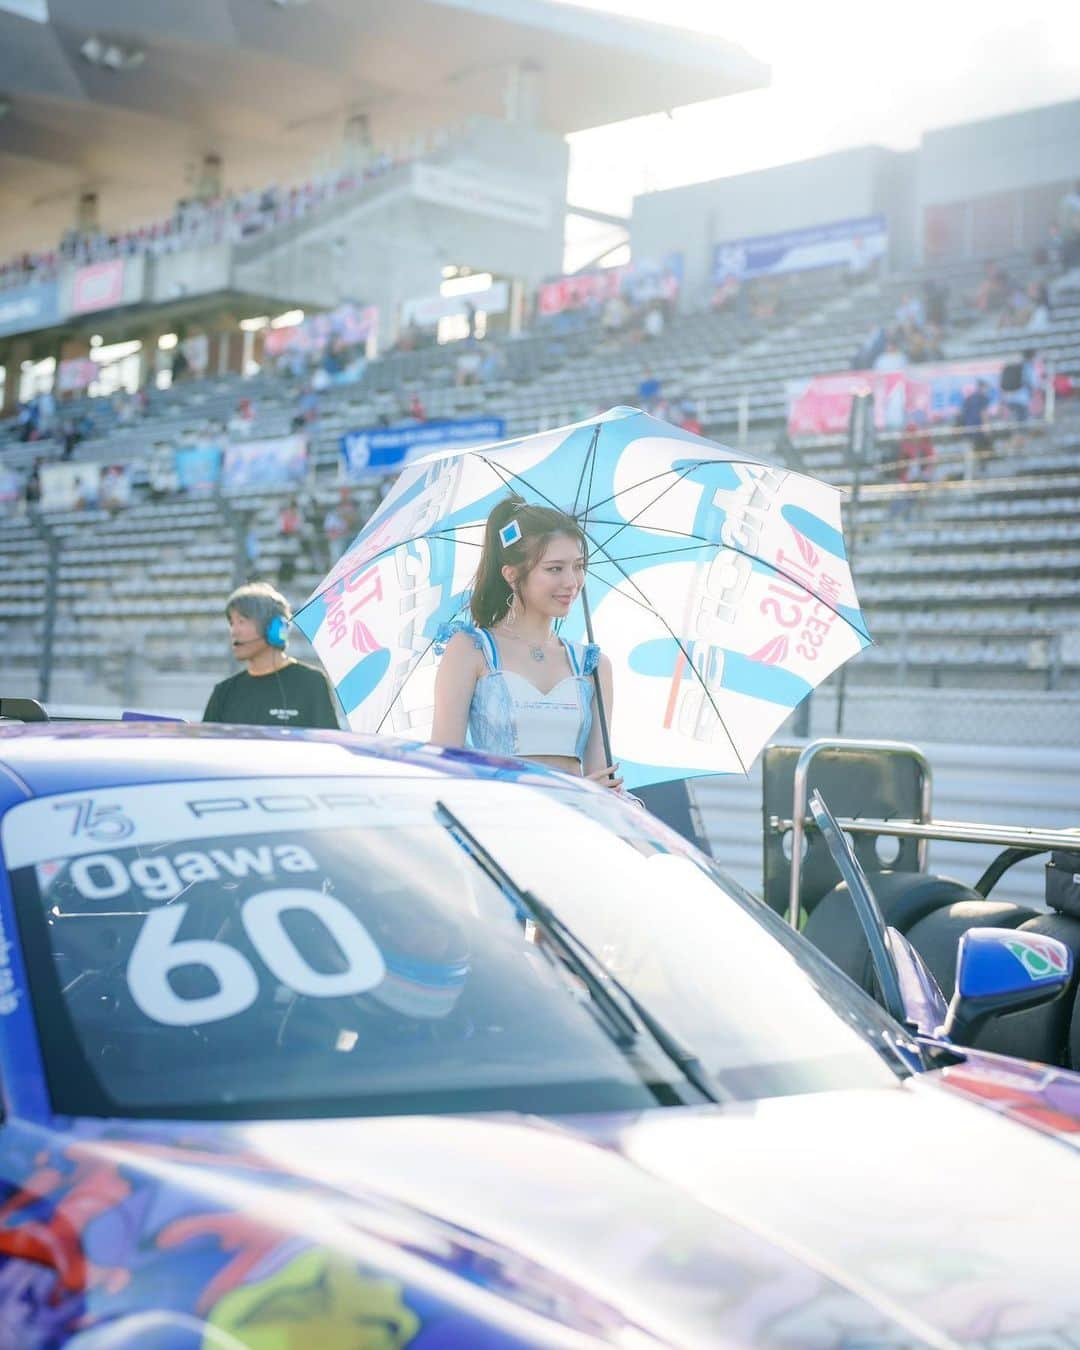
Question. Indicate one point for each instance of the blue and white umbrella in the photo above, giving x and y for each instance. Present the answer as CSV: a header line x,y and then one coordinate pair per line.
x,y
718,586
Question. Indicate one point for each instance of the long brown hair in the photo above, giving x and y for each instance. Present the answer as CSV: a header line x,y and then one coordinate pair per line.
x,y
491,594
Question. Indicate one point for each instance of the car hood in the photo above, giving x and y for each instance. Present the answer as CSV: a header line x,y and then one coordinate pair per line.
x,y
894,1216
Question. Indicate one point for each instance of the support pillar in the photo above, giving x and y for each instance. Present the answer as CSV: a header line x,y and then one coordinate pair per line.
x,y
211,177
87,213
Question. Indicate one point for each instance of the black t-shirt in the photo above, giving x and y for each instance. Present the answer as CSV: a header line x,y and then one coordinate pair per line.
x,y
298,695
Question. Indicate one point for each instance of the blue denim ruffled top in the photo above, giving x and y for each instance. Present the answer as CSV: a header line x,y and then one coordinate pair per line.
x,y
510,716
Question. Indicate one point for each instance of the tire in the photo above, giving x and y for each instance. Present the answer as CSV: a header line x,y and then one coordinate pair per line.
x,y
935,937
905,898
1040,1033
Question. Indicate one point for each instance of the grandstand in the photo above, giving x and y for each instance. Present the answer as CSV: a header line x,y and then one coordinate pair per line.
x,y
969,573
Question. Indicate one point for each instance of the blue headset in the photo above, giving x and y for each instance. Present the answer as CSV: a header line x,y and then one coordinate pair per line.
x,y
276,631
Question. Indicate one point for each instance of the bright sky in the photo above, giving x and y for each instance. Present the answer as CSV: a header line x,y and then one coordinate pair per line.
x,y
845,72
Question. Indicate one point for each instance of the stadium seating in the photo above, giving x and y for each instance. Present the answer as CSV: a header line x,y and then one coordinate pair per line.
x,y
966,578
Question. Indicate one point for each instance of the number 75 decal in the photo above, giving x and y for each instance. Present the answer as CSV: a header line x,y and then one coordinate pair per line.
x,y
106,824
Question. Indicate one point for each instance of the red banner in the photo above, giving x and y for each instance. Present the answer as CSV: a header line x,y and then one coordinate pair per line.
x,y
821,405
99,286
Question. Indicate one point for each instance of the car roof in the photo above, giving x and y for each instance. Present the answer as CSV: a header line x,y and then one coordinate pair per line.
x,y
44,758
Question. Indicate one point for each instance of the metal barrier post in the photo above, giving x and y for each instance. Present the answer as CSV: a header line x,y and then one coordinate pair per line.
x,y
52,591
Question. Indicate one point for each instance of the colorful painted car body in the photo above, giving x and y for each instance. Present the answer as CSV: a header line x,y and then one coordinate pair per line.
x,y
854,1196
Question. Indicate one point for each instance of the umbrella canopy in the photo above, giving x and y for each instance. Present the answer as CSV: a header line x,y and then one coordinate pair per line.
x,y
718,586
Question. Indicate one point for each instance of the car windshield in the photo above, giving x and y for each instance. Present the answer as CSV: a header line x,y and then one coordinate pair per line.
x,y
320,946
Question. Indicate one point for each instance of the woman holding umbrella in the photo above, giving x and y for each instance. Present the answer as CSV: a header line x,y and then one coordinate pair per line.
x,y
505,679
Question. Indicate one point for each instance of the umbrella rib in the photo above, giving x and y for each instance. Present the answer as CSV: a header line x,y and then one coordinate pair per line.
x,y
734,548
626,525
377,557
590,459
650,608
415,667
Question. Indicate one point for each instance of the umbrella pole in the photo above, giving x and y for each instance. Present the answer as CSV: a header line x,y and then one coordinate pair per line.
x,y
601,711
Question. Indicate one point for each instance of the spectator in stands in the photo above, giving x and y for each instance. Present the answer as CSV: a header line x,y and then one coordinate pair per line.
x,y
493,365
993,290
290,524
252,547
1038,318
973,415
616,315
1019,384
243,418
467,365
976,405
69,436
936,302
1053,250
307,409
1069,219
649,390
688,418
339,525
869,349
274,690
652,326
725,293
416,410
32,488
181,367
46,412
910,313
917,455
892,358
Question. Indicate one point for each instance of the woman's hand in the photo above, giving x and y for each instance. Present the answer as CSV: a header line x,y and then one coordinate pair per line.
x,y
606,777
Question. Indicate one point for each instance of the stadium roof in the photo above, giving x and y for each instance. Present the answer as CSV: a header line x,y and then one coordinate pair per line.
x,y
268,84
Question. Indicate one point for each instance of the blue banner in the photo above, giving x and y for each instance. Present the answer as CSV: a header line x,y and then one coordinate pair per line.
x,y
198,467
24,308
381,449
855,244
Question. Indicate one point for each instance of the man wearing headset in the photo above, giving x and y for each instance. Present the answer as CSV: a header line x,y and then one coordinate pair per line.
x,y
275,690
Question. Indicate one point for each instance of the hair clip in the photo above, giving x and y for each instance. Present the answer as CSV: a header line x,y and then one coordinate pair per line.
x,y
510,534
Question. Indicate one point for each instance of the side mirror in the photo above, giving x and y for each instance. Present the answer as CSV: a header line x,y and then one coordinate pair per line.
x,y
924,1003
999,970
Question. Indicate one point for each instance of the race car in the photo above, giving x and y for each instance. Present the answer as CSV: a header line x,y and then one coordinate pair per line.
x,y
308,1040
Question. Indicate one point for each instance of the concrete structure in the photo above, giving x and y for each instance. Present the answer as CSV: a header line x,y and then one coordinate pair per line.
x,y
981,189
849,184
247,92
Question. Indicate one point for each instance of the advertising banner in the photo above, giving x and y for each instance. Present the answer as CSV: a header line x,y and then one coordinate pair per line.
x,y
379,450
69,487
99,286
821,405
353,324
255,465
76,373
198,468
639,282
855,244
24,308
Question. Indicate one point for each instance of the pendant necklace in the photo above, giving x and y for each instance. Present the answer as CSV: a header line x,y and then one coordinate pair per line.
x,y
536,650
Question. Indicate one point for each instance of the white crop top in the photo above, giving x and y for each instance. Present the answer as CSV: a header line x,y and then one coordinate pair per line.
x,y
510,716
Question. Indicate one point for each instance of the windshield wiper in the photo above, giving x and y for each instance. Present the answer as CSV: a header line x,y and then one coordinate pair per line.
x,y
624,1012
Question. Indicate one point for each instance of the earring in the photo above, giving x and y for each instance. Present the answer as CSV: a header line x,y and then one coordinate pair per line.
x,y
511,611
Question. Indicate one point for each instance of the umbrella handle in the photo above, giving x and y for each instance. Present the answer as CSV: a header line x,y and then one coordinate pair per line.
x,y
601,711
